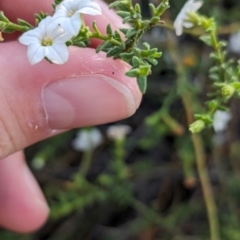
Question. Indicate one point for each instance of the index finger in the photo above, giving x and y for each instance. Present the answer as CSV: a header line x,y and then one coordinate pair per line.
x,y
25,9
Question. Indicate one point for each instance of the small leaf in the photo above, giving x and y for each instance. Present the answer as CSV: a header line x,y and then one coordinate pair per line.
x,y
136,61
133,72
114,51
131,32
117,36
114,4
144,70
3,17
142,83
152,61
207,40
137,8
123,14
24,23
127,19
155,20
214,69
109,30
153,9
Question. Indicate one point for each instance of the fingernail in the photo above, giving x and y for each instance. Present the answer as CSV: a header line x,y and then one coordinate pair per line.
x,y
37,195
86,100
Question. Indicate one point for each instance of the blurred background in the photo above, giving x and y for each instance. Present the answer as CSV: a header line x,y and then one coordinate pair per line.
x,y
140,180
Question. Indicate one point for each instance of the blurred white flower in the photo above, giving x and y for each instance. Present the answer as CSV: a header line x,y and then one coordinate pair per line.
x,y
68,14
118,132
47,40
220,120
182,18
234,43
87,139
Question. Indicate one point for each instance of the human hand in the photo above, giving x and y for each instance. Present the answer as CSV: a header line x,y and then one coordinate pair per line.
x,y
40,101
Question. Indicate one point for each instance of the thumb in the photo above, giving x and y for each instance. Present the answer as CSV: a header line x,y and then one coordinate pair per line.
x,y
40,101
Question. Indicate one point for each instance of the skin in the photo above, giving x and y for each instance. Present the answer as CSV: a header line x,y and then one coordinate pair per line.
x,y
26,95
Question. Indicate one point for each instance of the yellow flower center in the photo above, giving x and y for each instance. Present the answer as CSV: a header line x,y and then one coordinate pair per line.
x,y
70,13
47,41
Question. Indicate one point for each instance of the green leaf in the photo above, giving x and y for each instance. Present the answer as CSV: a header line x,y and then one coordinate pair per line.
x,y
214,56
3,17
109,30
134,72
117,36
24,23
136,61
155,20
144,70
157,54
80,44
114,4
153,9
127,19
124,30
142,83
214,77
126,56
123,14
214,69
114,51
207,40
137,8
131,32
152,61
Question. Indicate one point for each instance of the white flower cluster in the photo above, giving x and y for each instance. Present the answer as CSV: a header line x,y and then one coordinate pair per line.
x,y
50,37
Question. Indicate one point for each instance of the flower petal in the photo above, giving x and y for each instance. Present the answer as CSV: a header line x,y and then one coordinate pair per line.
x,y
31,36
57,53
89,7
35,53
47,25
71,25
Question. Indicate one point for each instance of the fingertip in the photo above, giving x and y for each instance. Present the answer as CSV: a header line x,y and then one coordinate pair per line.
x,y
23,207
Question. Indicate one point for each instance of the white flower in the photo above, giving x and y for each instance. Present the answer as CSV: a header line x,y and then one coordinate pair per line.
x,y
182,18
220,120
68,14
118,132
234,43
47,40
87,139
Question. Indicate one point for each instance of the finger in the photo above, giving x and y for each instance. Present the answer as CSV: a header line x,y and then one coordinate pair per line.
x,y
22,204
25,9
36,100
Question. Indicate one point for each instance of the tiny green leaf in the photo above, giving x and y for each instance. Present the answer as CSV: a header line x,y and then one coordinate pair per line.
x,y
142,83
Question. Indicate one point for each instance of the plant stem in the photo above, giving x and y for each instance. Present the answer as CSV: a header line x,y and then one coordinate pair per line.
x,y
86,163
197,143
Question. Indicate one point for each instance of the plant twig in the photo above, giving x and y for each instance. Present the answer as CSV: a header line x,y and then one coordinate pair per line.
x,y
197,143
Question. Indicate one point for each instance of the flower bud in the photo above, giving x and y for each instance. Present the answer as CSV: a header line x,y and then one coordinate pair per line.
x,y
228,90
197,126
